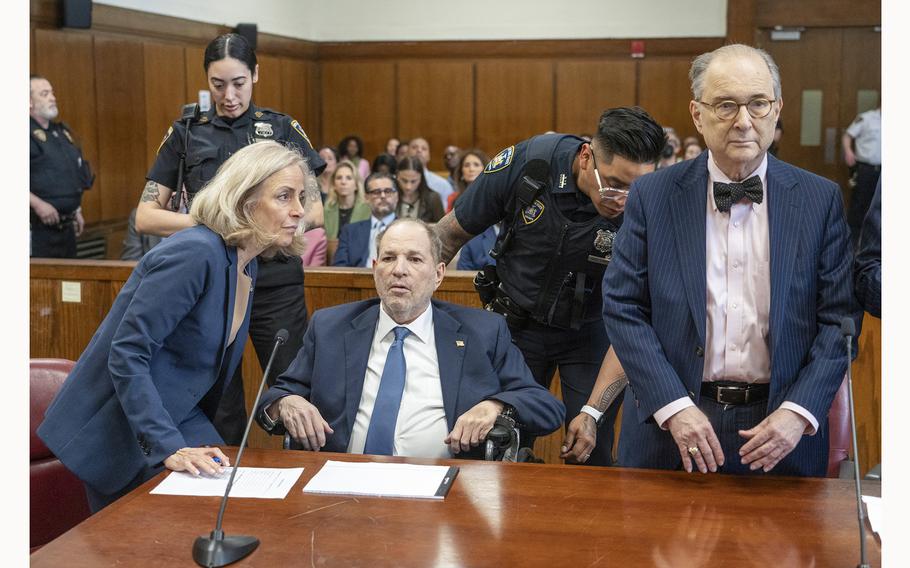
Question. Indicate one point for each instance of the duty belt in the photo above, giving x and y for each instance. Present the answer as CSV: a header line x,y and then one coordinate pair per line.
x,y
730,392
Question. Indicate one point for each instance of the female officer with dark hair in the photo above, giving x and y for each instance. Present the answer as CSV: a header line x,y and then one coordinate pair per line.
x,y
232,123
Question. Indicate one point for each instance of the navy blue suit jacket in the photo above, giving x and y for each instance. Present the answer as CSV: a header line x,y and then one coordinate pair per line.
x,y
477,361
475,254
353,244
867,273
654,301
133,397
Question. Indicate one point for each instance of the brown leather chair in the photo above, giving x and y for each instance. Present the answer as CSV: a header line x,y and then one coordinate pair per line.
x,y
57,498
841,438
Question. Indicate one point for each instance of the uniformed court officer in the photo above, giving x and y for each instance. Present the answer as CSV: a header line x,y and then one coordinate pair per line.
x,y
560,200
58,174
865,133
232,123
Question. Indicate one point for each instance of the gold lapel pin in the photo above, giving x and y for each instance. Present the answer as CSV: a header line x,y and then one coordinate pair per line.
x,y
459,343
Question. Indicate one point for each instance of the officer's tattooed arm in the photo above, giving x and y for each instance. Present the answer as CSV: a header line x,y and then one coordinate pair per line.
x,y
453,236
581,435
153,216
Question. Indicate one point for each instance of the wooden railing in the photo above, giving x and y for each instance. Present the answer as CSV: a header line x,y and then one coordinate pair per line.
x,y
61,328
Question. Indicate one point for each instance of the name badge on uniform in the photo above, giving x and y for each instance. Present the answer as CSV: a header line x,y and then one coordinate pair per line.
x,y
263,129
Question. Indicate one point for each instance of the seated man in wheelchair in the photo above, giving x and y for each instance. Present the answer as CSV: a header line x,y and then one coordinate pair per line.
x,y
403,374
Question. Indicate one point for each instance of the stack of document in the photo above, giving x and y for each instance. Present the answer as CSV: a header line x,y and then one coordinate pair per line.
x,y
383,479
257,482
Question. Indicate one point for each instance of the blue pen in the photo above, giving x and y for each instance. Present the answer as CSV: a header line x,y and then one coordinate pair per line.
x,y
217,460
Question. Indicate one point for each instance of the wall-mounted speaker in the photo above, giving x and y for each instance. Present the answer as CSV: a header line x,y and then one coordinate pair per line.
x,y
76,13
249,32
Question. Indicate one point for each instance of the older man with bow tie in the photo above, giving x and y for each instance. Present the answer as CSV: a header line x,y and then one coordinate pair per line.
x,y
729,281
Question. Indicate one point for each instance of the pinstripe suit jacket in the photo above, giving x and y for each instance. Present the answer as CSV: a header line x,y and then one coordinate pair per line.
x,y
654,301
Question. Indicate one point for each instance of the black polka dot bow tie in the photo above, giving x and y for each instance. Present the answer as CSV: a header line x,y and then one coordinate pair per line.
x,y
726,194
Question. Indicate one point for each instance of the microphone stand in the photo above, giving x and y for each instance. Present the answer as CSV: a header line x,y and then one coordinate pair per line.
x,y
848,329
218,549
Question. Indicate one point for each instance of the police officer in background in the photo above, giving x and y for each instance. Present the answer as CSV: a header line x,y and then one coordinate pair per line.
x,y
232,123
560,200
58,174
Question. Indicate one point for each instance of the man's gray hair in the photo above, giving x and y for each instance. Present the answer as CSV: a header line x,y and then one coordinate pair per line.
x,y
432,234
700,66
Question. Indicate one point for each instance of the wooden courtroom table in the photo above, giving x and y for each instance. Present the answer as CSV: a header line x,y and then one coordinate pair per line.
x,y
495,515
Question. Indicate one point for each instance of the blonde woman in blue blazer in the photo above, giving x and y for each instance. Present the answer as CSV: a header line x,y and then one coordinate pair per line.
x,y
142,395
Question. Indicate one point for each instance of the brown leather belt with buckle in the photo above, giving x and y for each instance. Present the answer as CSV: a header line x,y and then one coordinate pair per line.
x,y
726,392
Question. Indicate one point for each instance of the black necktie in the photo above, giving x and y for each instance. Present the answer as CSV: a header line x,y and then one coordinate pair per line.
x,y
726,194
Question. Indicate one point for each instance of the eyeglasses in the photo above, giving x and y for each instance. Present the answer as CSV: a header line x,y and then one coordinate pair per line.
x,y
727,110
384,191
604,190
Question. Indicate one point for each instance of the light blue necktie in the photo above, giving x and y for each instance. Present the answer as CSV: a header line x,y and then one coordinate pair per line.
x,y
381,432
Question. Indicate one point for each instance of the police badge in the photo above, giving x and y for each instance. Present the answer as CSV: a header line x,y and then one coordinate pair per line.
x,y
263,129
603,243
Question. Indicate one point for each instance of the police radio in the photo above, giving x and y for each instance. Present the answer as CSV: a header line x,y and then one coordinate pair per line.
x,y
188,114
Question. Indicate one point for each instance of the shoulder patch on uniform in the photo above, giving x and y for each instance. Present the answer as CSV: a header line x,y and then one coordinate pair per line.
x,y
296,126
39,134
532,212
170,130
500,161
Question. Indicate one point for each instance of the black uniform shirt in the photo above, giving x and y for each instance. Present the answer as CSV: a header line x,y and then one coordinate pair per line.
x,y
486,201
57,171
214,139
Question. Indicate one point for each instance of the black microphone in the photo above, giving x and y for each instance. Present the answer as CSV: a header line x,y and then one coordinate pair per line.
x,y
217,549
848,330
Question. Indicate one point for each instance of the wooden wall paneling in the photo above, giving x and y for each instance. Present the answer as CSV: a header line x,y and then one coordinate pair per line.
x,y
67,60
358,98
741,21
867,394
665,93
298,91
120,86
267,91
585,88
63,329
861,69
815,13
514,101
436,101
195,75
165,93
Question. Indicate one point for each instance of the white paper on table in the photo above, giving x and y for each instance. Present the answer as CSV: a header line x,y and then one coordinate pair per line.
x,y
874,512
383,479
251,482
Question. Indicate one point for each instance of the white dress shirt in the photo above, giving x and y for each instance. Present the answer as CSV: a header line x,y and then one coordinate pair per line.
x,y
421,427
738,293
377,226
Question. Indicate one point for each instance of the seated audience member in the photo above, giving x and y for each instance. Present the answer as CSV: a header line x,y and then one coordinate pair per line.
x,y
351,148
330,157
470,164
670,153
346,202
142,396
451,156
391,146
385,164
422,378
136,244
316,247
419,148
691,151
356,243
867,270
475,254
416,200
404,149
